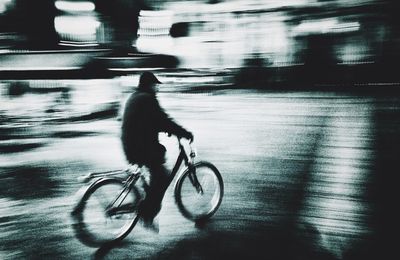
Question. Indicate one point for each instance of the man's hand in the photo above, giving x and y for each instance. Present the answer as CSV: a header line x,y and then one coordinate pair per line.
x,y
189,136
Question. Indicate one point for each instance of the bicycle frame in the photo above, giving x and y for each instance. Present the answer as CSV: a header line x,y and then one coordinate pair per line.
x,y
182,158
134,175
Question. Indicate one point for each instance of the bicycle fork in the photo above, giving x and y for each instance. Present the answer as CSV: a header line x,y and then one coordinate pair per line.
x,y
194,180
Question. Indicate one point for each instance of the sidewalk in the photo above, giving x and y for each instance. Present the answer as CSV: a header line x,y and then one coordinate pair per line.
x,y
77,63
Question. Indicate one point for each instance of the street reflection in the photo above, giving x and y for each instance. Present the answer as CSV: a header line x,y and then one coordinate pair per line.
x,y
303,163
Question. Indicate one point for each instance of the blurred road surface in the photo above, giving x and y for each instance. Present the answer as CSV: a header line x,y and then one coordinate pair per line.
x,y
305,173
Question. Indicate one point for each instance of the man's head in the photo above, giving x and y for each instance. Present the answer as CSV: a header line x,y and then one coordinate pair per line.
x,y
148,81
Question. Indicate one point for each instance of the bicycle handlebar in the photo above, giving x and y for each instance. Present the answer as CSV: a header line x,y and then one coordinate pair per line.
x,y
191,140
180,137
192,152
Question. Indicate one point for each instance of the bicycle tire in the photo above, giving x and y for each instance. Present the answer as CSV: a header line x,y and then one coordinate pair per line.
x,y
90,218
191,203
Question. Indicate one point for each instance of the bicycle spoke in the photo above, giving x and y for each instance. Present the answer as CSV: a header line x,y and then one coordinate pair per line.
x,y
109,212
199,191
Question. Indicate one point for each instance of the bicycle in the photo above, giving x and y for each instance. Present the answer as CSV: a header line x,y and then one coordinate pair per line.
x,y
107,208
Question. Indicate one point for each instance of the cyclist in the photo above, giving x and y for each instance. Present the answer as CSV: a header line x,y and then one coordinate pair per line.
x,y
142,120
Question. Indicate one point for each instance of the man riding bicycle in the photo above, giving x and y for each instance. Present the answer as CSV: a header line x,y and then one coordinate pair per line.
x,y
142,120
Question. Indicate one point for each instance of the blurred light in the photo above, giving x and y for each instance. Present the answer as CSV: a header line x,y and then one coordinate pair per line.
x,y
38,68
78,44
326,26
154,31
155,23
315,26
80,6
134,69
80,25
346,27
3,5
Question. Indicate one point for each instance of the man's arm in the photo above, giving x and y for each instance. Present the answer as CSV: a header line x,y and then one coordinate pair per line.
x,y
167,124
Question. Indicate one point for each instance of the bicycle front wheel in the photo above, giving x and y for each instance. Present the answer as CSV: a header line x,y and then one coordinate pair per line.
x,y
106,213
199,191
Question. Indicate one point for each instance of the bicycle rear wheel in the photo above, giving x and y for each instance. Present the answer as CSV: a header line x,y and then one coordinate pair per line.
x,y
199,191
106,213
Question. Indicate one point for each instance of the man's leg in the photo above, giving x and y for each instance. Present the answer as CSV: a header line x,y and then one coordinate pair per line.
x,y
158,184
156,191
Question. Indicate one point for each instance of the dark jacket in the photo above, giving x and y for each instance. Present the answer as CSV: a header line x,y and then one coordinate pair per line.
x,y
143,119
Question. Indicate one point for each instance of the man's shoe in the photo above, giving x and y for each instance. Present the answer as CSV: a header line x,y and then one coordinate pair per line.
x,y
151,225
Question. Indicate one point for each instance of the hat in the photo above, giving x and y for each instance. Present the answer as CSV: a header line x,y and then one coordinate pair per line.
x,y
148,78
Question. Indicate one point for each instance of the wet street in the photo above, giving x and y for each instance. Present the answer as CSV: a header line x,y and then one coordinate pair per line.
x,y
308,175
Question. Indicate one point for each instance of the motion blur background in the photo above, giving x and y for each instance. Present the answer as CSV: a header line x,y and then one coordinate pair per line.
x,y
206,34
295,101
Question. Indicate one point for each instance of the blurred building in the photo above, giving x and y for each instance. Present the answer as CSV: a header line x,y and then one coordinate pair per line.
x,y
214,34
225,34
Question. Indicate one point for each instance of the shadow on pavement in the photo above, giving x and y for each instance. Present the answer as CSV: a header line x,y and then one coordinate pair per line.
x,y
103,251
384,192
284,243
28,182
